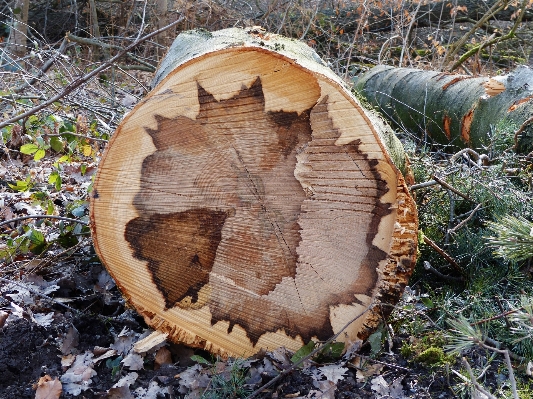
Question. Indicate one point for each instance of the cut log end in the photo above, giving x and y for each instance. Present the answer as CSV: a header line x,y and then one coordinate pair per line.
x,y
249,203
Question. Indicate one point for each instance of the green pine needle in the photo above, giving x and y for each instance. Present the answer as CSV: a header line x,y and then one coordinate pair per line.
x,y
513,238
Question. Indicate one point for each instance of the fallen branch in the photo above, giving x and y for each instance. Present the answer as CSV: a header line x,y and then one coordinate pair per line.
x,y
94,42
474,382
444,277
452,231
83,79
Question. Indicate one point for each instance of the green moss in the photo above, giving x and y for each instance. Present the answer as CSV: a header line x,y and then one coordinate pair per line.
x,y
432,356
406,350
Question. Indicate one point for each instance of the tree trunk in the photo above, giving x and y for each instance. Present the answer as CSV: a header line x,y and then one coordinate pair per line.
x,y
432,13
250,202
454,109
18,35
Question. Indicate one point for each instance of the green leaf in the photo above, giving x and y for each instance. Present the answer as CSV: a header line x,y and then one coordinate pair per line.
x,y
331,351
56,144
39,154
79,211
83,168
375,342
50,207
38,242
55,179
67,239
36,237
199,359
40,142
29,148
428,303
21,185
303,352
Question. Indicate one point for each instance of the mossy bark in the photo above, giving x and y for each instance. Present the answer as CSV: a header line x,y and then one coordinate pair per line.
x,y
456,110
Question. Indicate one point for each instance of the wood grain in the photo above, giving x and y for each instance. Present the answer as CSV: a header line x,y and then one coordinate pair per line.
x,y
235,220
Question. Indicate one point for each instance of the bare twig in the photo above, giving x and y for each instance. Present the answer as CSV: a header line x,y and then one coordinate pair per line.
x,y
75,134
407,34
83,79
423,185
443,253
451,188
497,7
452,231
451,279
520,130
509,365
46,66
94,42
496,40
474,382
309,356
43,217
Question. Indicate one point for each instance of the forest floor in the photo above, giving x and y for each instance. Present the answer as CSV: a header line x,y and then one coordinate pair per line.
x,y
90,347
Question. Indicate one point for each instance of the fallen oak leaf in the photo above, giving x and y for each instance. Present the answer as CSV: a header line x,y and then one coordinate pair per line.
x,y
48,388
163,356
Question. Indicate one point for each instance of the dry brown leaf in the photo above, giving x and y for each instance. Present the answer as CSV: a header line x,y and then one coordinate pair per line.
x,y
3,318
122,392
66,361
48,388
163,356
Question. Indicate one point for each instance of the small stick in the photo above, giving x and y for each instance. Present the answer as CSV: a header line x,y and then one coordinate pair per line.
x,y
43,217
499,316
474,381
75,134
44,68
451,188
450,260
422,185
507,323
452,231
430,268
520,130
393,366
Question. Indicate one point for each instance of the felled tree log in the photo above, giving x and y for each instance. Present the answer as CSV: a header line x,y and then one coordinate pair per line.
x,y
454,109
250,202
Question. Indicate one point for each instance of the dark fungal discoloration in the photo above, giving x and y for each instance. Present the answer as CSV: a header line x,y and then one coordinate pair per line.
x,y
240,230
180,249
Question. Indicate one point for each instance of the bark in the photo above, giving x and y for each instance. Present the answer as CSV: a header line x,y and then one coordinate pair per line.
x,y
250,202
453,109
432,13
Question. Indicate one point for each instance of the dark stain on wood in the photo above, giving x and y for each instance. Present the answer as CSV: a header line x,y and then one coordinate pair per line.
x,y
180,249
242,233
